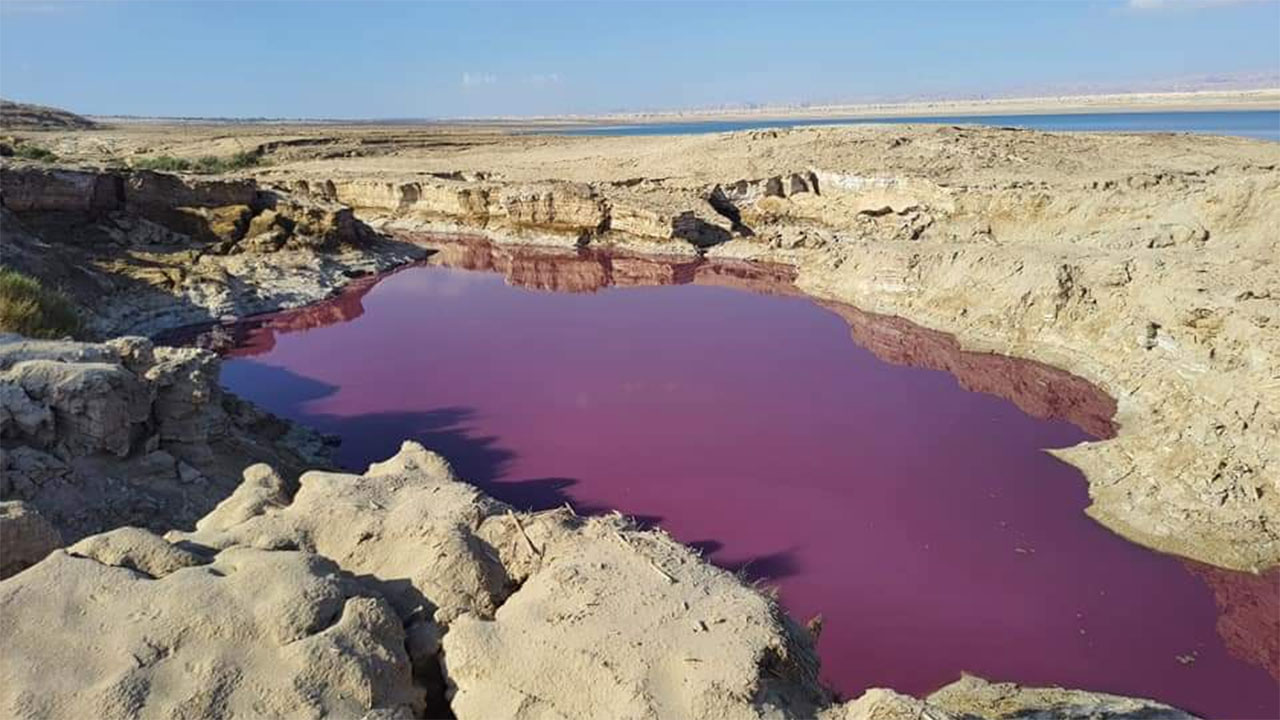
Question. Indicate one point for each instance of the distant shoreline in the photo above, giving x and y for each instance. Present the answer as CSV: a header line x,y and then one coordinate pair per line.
x,y
1229,100
1235,100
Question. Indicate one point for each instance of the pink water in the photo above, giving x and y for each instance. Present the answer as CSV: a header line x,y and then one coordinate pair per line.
x,y
921,519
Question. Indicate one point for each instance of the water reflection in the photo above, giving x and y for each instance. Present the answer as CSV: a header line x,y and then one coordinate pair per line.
x,y
1037,389
1249,613
981,599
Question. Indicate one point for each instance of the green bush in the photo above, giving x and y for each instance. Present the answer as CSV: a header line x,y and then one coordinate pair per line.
x,y
34,152
209,164
165,163
33,310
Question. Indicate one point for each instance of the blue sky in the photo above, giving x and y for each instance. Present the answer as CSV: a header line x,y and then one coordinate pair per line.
x,y
411,59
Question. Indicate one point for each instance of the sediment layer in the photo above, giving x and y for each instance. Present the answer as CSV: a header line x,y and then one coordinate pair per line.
x,y
143,252
98,436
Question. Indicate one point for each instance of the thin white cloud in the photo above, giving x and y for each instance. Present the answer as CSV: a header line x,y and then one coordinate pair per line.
x,y
33,7
470,79
1147,5
541,79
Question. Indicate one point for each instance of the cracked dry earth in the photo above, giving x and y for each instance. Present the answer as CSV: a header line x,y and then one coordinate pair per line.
x,y
1145,264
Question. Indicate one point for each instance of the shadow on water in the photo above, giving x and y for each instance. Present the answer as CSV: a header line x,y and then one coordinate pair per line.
x,y
1247,605
475,457
377,436
762,568
277,389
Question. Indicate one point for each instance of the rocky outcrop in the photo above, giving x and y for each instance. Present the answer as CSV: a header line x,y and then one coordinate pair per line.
x,y
554,212
405,590
1192,468
246,633
26,537
972,697
142,252
125,433
25,116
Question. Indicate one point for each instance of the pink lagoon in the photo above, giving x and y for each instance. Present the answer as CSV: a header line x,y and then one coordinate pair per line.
x,y
873,472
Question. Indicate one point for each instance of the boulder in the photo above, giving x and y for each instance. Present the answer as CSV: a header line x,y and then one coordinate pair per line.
x,y
250,634
26,537
97,407
100,435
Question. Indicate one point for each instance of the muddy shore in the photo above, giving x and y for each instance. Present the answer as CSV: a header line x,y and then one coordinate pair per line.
x,y
1144,264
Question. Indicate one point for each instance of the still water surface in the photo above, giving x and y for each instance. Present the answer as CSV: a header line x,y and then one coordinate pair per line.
x,y
870,469
1262,124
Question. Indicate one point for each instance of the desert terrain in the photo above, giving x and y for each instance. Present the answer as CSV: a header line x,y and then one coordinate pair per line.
x,y
1144,264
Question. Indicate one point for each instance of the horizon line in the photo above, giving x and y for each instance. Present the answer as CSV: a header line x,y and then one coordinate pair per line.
x,y
746,108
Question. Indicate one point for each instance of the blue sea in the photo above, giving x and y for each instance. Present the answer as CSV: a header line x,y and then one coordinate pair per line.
x,y
1263,124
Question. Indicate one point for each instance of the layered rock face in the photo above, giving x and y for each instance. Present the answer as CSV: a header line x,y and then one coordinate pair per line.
x,y
142,252
404,591
95,436
549,212
1142,263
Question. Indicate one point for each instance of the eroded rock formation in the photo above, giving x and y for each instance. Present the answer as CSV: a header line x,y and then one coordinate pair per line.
x,y
96,436
1141,263
405,589
143,252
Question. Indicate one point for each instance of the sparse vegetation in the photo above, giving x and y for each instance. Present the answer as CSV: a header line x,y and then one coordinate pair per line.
x,y
34,152
208,165
164,163
29,308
